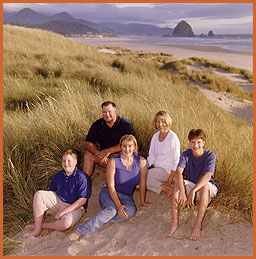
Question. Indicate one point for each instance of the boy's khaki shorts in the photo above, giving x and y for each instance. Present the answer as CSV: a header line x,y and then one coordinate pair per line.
x,y
189,185
52,204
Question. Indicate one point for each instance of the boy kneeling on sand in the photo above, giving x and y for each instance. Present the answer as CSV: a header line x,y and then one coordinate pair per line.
x,y
67,198
198,183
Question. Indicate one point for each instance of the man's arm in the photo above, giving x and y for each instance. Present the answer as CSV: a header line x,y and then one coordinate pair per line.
x,y
91,147
77,204
111,150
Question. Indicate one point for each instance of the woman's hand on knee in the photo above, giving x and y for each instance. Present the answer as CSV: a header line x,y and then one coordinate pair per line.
x,y
121,211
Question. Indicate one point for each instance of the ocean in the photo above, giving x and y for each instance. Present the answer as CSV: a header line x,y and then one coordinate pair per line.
x,y
235,42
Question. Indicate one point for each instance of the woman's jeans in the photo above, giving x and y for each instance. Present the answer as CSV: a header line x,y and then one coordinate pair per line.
x,y
108,214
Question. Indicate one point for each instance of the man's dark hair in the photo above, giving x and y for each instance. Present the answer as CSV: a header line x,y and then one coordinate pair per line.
x,y
196,134
108,103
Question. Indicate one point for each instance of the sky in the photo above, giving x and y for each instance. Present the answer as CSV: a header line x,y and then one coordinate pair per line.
x,y
222,18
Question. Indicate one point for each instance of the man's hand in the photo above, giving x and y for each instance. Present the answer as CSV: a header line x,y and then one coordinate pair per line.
x,y
102,156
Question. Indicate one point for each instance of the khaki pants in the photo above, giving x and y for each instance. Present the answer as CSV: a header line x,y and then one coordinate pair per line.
x,y
52,204
156,176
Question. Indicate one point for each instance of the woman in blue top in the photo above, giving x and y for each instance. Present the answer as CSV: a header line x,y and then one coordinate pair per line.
x,y
124,172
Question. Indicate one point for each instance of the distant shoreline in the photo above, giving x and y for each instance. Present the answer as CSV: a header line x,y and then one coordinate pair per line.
x,y
231,57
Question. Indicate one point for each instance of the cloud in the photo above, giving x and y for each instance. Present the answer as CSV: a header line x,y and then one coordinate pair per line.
x,y
161,14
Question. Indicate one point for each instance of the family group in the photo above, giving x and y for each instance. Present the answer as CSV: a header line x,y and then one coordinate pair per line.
x,y
186,178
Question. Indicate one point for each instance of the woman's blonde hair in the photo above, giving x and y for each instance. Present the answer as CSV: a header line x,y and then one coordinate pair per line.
x,y
129,138
166,116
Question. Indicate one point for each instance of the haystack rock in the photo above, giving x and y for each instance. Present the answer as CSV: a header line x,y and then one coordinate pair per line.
x,y
183,29
210,34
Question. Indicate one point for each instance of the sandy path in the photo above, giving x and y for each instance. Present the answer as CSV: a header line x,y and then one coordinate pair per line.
x,y
144,234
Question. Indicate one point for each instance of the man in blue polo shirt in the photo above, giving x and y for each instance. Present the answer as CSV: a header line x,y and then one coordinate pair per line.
x,y
106,132
197,183
67,198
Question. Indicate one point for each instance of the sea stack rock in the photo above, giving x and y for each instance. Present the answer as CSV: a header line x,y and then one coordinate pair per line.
x,y
210,34
183,29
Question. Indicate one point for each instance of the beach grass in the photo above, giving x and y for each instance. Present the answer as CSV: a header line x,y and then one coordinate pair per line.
x,y
53,89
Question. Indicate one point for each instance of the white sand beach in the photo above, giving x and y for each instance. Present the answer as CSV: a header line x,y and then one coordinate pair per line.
x,y
233,58
143,235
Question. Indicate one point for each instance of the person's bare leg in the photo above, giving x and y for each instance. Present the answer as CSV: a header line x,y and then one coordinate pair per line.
x,y
55,225
60,225
89,162
38,210
202,206
175,212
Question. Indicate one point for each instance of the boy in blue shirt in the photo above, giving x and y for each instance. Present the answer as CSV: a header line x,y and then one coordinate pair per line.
x,y
67,198
197,183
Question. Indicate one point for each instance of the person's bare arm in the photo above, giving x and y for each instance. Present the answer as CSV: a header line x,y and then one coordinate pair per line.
x,y
142,184
111,170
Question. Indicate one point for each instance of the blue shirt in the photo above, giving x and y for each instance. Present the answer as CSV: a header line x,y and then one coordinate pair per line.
x,y
125,181
106,136
196,167
71,188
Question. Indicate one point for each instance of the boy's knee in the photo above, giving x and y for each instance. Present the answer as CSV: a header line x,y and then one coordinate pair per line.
x,y
205,189
38,195
66,223
205,192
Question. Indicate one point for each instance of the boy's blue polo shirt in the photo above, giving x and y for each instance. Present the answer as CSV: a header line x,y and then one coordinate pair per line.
x,y
71,188
106,136
197,167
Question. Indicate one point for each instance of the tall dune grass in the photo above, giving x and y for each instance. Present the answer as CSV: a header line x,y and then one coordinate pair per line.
x,y
60,109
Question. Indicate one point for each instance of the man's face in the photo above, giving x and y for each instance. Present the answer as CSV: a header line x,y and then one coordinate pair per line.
x,y
69,163
197,146
109,113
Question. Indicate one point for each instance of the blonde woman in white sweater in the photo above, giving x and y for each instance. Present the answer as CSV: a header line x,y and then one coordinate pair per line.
x,y
163,155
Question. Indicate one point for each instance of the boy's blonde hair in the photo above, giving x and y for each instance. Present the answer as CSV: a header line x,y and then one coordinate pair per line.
x,y
70,152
